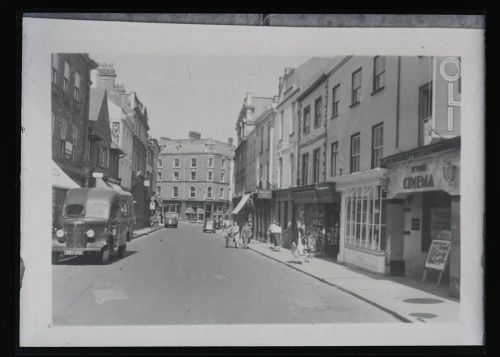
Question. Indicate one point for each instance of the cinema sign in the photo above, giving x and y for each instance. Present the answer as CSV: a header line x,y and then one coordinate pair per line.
x,y
425,174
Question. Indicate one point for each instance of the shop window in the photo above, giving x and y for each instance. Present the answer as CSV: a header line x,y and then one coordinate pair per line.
x,y
436,216
364,225
355,152
377,144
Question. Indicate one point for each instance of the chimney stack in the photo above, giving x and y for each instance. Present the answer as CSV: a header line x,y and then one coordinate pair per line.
x,y
106,75
194,135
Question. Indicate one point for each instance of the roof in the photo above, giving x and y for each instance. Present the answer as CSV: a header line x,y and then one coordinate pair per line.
x,y
97,96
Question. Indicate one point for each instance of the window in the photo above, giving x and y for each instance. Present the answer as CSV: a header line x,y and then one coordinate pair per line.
x,y
176,175
317,112
176,162
209,192
66,77
55,68
223,163
378,73
307,119
364,226
158,190
63,129
193,162
192,192
425,101
261,174
335,101
160,163
221,192
158,174
356,87
355,152
377,144
175,192
305,168
292,170
267,175
193,175
210,176
333,158
316,166
210,162
76,89
222,177
102,156
75,140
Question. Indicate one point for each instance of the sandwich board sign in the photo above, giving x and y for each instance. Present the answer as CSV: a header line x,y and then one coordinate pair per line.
x,y
437,257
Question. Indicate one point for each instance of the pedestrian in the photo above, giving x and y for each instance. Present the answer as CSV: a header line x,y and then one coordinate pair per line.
x,y
232,234
246,233
275,234
298,247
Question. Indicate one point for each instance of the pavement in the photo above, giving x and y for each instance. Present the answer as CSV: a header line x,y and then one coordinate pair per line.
x,y
408,299
144,231
184,276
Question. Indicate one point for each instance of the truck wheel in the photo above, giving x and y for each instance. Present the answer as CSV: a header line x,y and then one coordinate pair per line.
x,y
121,250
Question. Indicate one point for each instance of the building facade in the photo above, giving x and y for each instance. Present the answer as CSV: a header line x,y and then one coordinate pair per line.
x,y
194,177
70,96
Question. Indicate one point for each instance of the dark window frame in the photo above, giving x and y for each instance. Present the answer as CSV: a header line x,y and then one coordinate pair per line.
x,y
305,168
355,158
306,128
335,101
377,150
376,76
356,91
316,165
318,103
333,158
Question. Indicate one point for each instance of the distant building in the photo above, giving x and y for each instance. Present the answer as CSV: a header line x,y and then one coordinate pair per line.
x,y
194,177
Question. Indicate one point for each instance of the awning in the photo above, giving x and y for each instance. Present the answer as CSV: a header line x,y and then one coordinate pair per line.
x,y
60,179
190,210
242,203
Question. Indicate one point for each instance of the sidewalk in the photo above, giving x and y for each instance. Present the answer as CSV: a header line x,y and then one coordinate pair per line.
x,y
143,231
408,299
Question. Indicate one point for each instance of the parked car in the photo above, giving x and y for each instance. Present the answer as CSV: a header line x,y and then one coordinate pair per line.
x,y
96,221
209,226
171,219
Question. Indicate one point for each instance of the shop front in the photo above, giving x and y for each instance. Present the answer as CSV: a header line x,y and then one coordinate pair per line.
x,y
283,211
423,206
263,210
318,208
244,210
362,220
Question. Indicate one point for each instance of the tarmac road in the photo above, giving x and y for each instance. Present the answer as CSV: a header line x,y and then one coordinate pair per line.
x,y
184,276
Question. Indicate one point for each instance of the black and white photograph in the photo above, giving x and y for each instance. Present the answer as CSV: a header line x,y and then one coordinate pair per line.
x,y
222,185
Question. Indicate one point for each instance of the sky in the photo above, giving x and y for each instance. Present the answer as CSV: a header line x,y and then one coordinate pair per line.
x,y
203,93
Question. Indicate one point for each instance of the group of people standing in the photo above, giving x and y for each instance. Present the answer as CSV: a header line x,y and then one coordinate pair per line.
x,y
300,248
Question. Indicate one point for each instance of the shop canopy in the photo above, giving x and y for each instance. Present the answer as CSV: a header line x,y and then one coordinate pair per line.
x,y
190,210
241,204
60,179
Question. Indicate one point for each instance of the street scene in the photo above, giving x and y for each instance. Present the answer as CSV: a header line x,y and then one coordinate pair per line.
x,y
330,193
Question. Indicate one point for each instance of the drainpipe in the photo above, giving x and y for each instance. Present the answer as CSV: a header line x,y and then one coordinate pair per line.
x,y
398,95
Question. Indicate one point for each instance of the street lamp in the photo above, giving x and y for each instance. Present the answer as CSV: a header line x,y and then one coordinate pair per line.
x,y
384,182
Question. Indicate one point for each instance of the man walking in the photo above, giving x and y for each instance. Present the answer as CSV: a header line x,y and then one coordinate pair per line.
x,y
275,234
246,233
